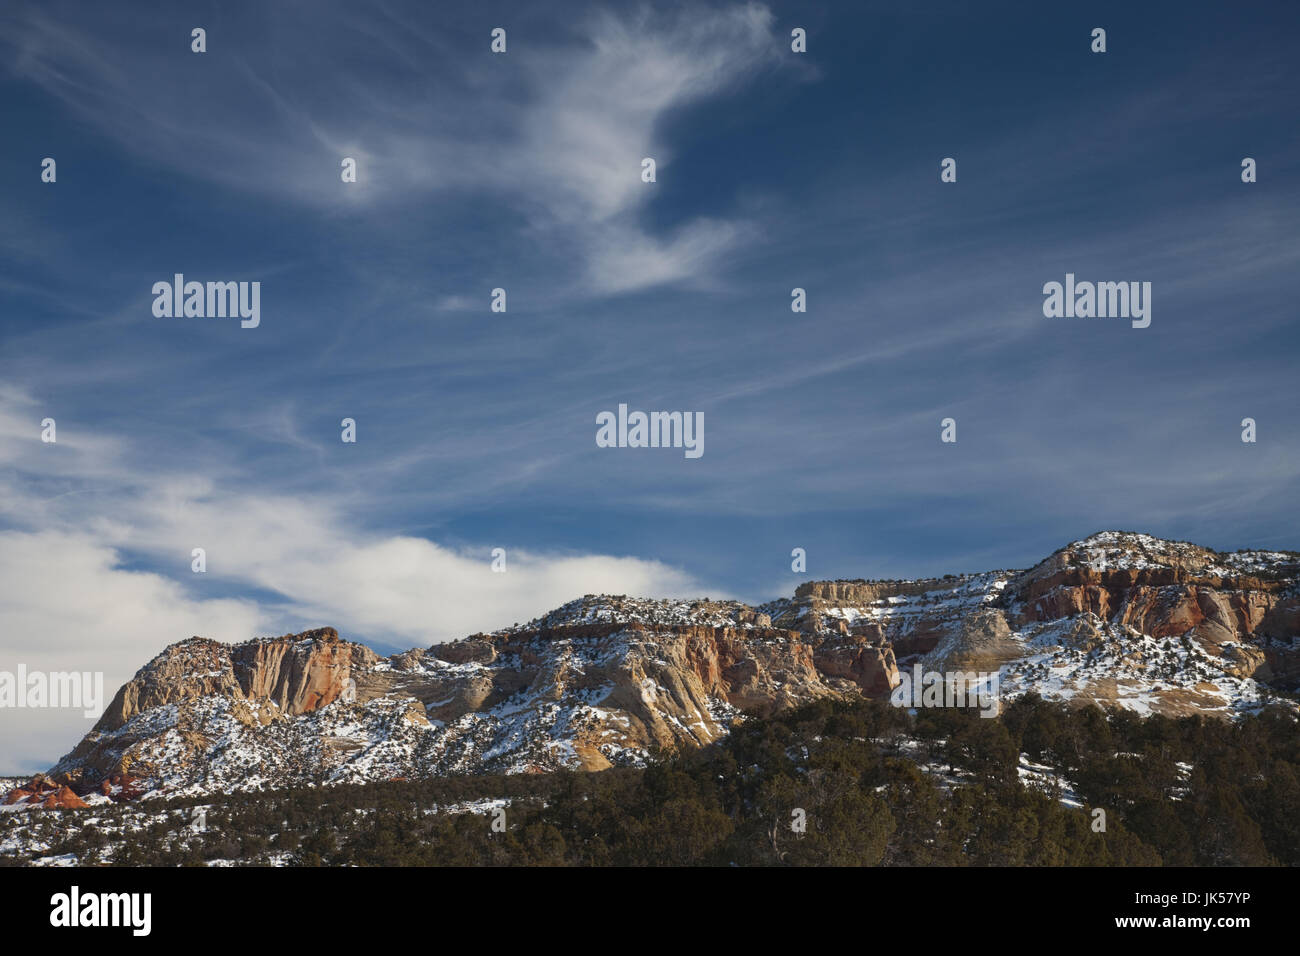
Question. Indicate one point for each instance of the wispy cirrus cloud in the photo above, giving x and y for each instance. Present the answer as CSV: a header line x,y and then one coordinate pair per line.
x,y
557,127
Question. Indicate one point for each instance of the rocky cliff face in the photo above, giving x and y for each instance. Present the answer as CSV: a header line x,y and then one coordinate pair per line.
x,y
295,673
1117,619
1242,609
600,682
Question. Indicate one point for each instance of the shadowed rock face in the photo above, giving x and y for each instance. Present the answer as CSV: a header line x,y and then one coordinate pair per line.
x,y
604,680
858,593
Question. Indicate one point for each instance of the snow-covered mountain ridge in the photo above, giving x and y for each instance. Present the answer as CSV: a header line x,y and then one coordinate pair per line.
x,y
1120,619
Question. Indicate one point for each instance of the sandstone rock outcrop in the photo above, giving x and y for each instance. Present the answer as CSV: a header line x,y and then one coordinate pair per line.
x,y
45,793
1169,589
296,673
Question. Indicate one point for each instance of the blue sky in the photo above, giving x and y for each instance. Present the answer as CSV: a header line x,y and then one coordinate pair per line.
x,y
476,429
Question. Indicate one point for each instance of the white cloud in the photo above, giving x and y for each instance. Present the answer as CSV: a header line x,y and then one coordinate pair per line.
x,y
632,260
397,589
598,111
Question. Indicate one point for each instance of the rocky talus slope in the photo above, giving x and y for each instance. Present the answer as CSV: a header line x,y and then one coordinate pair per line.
x,y
1119,619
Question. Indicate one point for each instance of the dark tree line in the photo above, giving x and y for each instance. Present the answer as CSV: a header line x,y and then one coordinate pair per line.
x,y
829,784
